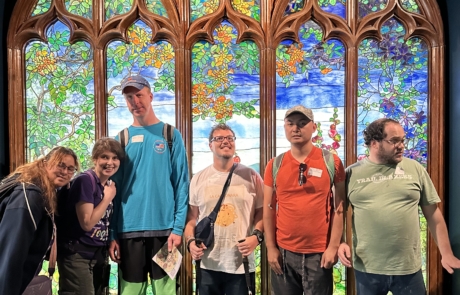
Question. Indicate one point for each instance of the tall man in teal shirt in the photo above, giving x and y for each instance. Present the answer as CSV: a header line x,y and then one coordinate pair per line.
x,y
385,191
151,206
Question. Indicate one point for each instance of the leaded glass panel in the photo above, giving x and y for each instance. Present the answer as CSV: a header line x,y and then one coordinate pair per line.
x,y
82,8
59,95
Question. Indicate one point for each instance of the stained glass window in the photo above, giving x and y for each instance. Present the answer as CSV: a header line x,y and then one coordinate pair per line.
x,y
153,61
59,95
41,7
248,7
337,7
369,6
225,88
117,7
200,8
294,6
410,5
80,7
157,7
226,82
393,83
312,73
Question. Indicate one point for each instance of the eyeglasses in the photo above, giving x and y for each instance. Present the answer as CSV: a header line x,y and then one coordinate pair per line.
x,y
222,138
395,142
302,177
70,169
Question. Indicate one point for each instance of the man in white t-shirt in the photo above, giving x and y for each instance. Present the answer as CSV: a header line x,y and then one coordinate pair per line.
x,y
238,227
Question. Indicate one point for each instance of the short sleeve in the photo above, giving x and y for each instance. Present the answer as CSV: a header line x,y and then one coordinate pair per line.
x,y
268,175
339,175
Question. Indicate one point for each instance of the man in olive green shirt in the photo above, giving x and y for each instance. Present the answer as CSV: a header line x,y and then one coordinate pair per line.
x,y
385,191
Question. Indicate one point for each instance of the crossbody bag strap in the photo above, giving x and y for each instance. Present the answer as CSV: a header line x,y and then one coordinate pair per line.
x,y
214,212
53,252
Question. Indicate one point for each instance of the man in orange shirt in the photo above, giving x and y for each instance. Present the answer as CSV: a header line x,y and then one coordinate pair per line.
x,y
303,221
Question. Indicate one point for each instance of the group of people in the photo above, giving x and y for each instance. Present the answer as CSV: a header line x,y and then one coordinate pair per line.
x,y
137,197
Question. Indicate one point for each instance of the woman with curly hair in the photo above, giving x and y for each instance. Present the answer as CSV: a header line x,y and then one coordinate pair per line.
x,y
27,216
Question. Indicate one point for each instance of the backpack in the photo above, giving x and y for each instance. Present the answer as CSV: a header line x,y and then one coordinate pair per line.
x,y
168,134
7,185
328,158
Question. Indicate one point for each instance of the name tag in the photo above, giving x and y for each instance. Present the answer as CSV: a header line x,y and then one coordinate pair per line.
x,y
137,138
315,172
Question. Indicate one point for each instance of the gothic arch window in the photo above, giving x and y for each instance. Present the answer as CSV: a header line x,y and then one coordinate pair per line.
x,y
243,62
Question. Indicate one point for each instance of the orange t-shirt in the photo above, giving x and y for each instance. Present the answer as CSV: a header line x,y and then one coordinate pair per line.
x,y
304,212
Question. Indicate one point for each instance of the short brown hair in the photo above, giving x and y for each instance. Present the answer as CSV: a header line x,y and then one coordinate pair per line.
x,y
376,130
220,126
107,144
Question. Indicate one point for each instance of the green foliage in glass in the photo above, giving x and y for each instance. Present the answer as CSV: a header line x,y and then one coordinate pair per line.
x,y
157,7
60,106
369,6
410,5
294,6
140,54
248,7
389,83
199,8
117,7
80,7
213,83
41,7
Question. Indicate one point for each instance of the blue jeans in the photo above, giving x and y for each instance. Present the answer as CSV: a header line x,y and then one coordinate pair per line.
x,y
220,283
302,275
373,284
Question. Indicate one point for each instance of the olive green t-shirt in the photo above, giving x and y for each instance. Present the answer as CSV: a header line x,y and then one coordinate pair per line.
x,y
385,226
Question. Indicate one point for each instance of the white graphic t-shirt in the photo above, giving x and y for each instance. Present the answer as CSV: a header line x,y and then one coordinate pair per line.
x,y
235,220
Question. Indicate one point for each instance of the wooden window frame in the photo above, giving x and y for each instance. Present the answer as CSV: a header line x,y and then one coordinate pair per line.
x,y
267,34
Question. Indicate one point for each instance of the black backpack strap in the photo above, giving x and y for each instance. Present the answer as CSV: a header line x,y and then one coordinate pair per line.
x,y
7,185
168,134
123,137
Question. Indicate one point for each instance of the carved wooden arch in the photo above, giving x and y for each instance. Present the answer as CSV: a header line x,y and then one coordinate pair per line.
x,y
273,27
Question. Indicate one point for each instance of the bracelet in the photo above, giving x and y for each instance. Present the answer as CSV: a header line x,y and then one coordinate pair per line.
x,y
189,242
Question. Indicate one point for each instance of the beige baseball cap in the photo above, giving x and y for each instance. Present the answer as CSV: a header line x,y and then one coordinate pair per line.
x,y
301,110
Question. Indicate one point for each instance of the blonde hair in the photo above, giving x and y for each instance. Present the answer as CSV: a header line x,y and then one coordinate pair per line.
x,y
36,173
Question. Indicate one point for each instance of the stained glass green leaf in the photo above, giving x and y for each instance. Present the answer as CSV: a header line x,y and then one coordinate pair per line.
x,y
41,7
51,109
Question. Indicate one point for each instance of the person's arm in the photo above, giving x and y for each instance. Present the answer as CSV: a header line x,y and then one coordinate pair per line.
x,y
250,243
16,237
189,232
330,255
88,215
180,183
438,229
269,218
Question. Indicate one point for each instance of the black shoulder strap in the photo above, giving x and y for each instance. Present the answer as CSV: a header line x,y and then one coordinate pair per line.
x,y
123,137
168,134
7,185
213,214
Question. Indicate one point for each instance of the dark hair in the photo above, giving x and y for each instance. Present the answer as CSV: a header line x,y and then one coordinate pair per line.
x,y
107,144
220,126
35,172
376,130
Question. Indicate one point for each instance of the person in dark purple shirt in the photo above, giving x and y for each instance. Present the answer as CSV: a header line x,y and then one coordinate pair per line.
x,y
83,223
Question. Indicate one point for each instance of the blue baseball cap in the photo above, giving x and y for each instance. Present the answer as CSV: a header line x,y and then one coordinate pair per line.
x,y
137,82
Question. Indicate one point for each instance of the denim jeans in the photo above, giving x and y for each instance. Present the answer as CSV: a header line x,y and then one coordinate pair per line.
x,y
220,283
302,274
374,284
